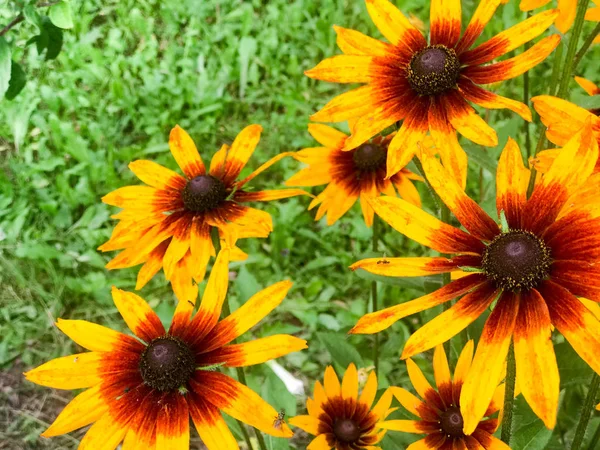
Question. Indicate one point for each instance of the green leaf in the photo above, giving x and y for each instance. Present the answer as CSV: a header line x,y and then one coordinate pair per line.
x,y
17,81
573,370
342,352
247,48
32,16
55,40
592,102
5,66
408,282
482,157
530,433
60,15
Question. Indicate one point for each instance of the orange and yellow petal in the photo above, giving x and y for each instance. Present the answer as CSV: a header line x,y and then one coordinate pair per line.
x,y
394,25
106,434
380,320
350,383
78,371
488,362
537,370
331,383
353,42
413,266
241,150
490,100
264,167
307,423
512,178
157,176
467,122
319,443
404,144
97,338
445,22
185,153
265,196
138,315
240,402
588,86
173,423
484,12
450,322
211,426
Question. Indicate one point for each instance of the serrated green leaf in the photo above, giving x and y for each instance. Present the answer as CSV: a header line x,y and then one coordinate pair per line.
x,y
342,352
17,81
60,15
5,66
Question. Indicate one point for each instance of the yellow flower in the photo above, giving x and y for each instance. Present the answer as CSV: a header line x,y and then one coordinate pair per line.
x,y
429,87
142,390
349,175
545,254
168,223
439,412
342,419
567,11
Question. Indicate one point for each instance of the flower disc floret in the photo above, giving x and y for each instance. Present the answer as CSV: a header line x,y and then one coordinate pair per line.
x,y
369,157
167,364
203,193
433,70
517,260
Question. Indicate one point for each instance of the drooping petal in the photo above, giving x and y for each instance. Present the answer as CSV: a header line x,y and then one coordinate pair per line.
x,y
138,315
414,266
467,211
512,179
185,153
537,371
239,402
570,169
380,320
84,409
588,86
577,323
394,26
248,315
97,338
211,426
450,322
173,423
240,152
509,39
490,100
488,363
466,120
514,66
484,12
424,228
254,352
445,19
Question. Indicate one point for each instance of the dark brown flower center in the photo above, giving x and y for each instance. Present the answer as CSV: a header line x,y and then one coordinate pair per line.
x,y
203,193
369,157
433,70
167,363
517,260
346,430
451,422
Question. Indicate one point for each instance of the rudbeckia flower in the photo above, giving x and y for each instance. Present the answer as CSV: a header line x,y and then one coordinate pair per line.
x,y
142,390
350,175
562,118
532,267
438,412
167,224
567,11
340,417
428,86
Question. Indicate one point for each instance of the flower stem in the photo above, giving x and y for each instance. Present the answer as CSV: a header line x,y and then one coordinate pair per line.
x,y
586,45
573,41
421,171
374,297
509,396
586,412
595,439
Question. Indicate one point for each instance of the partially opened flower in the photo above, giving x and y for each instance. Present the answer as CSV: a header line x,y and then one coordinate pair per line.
x,y
428,86
545,254
168,223
438,411
350,175
567,11
340,417
142,390
562,118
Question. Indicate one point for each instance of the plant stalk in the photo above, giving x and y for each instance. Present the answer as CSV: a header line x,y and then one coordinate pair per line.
x,y
586,412
586,45
509,396
374,296
574,40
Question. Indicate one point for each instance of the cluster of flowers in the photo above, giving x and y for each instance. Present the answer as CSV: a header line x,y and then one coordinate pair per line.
x,y
536,263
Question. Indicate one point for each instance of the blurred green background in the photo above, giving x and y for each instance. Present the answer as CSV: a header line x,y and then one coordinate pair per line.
x,y
128,72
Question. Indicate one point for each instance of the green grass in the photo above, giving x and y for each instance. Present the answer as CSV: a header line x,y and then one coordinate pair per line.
x,y
131,70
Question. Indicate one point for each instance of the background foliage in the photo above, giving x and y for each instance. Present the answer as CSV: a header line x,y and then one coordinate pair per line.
x,y
129,70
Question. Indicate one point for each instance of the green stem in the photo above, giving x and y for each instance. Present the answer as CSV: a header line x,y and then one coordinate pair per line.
x,y
558,54
586,412
421,171
374,296
574,40
509,396
586,45
595,439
